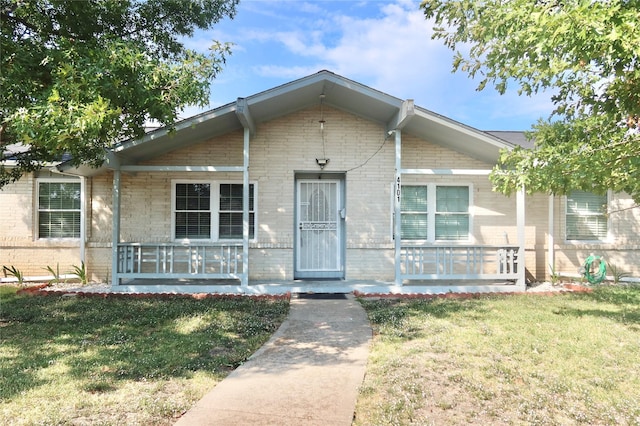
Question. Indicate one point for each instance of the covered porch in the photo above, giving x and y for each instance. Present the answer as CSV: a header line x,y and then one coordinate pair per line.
x,y
209,265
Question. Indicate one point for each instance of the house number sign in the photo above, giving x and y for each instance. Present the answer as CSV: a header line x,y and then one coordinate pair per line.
x,y
398,189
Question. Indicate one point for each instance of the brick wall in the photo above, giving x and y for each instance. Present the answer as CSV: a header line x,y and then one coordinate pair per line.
x,y
281,148
19,246
16,211
622,249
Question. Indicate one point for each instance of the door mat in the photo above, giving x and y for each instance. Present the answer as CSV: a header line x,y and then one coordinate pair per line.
x,y
322,296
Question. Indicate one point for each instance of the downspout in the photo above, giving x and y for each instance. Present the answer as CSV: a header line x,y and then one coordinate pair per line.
x,y
83,220
244,116
245,210
551,240
116,227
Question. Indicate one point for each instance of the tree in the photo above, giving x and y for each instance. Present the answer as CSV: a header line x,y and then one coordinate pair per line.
x,y
78,76
587,54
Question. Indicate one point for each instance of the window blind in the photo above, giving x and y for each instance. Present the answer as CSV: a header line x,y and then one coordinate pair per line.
x,y
586,216
59,209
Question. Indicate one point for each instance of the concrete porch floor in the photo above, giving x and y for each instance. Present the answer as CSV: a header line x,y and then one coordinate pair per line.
x,y
275,287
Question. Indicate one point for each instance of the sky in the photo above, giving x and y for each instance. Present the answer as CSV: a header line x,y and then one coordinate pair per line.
x,y
383,44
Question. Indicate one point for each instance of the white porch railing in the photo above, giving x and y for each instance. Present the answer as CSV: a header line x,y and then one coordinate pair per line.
x,y
169,260
459,262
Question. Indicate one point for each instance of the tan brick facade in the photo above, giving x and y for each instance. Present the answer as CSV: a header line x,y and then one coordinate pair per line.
x,y
358,149
621,249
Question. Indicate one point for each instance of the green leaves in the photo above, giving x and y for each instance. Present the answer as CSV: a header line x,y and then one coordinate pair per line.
x,y
77,77
587,54
583,154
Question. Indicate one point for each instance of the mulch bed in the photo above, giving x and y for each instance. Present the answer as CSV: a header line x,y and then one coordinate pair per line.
x,y
46,290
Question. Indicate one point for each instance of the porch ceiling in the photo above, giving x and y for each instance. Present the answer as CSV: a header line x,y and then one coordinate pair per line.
x,y
340,93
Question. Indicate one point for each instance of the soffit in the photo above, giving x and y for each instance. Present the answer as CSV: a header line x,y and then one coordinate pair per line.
x,y
339,93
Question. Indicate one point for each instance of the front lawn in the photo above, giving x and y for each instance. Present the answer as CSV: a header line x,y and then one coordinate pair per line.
x,y
70,360
505,360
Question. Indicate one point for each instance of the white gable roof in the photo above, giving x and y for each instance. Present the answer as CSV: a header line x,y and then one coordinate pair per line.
x,y
339,92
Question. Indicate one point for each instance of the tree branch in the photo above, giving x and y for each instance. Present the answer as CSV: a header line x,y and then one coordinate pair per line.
x,y
26,24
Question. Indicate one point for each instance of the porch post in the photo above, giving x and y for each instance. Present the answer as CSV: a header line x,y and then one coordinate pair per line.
x,y
245,210
397,187
116,227
520,223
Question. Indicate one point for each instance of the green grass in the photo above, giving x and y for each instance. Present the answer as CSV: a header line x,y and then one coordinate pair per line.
x,y
69,360
510,360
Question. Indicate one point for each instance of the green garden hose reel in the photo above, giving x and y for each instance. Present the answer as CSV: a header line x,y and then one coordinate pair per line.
x,y
594,269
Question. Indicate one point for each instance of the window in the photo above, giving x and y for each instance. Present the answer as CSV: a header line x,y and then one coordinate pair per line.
x,y
414,213
210,211
586,217
193,211
452,213
59,209
435,212
230,211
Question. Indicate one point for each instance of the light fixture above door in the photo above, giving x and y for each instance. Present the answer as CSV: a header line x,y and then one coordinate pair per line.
x,y
322,162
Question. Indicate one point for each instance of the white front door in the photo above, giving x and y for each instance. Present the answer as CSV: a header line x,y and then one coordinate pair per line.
x,y
319,229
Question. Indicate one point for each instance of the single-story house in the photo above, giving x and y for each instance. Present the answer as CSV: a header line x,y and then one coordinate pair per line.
x,y
321,184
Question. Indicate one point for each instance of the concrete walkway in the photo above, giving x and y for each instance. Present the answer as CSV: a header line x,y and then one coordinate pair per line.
x,y
308,373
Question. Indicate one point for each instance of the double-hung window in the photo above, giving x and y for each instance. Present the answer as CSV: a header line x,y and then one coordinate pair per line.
x,y
210,211
586,218
435,212
230,211
192,215
414,212
452,213
59,208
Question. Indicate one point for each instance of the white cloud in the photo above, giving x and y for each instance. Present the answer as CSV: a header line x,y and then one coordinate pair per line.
x,y
386,46
392,52
397,43
286,72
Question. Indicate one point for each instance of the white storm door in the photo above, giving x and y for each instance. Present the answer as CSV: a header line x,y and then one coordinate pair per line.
x,y
318,234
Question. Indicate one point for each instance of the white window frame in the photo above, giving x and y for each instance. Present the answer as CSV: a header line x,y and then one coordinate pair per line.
x,y
432,220
38,210
176,182
431,212
214,209
607,239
